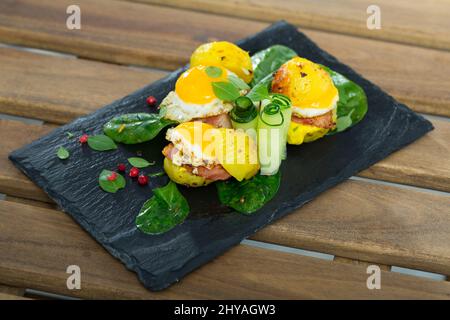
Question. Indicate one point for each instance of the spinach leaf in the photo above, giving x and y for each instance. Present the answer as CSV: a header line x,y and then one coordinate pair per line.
x,y
163,211
111,181
250,195
268,61
101,143
135,128
140,162
352,105
62,153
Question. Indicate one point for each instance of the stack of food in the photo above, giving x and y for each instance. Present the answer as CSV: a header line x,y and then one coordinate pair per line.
x,y
232,116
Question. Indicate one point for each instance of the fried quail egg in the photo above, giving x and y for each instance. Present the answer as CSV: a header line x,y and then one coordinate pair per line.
x,y
194,97
309,87
224,54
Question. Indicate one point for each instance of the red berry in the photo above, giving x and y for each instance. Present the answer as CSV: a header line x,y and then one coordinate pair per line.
x,y
84,138
151,101
112,176
143,180
121,167
134,172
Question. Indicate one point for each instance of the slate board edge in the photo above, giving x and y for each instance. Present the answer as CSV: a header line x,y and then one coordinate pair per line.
x,y
207,256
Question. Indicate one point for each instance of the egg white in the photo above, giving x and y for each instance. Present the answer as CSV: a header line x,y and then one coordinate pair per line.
x,y
188,153
173,108
314,112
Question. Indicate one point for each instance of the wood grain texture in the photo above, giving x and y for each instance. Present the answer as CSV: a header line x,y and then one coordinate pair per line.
x,y
13,291
6,296
28,251
410,227
166,41
365,264
30,202
12,181
425,163
371,222
419,23
59,89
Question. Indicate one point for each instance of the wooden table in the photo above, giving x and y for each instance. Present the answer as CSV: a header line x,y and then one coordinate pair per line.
x,y
360,222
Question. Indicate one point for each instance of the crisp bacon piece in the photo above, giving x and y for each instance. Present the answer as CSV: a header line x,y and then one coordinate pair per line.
x,y
215,173
323,121
221,121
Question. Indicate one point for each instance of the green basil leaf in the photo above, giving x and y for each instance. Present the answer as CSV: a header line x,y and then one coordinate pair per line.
x,y
213,72
238,82
163,211
248,196
62,153
261,90
135,128
268,61
139,162
225,91
101,143
111,186
352,105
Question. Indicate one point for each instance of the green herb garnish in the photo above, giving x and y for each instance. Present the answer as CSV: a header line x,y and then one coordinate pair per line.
x,y
101,142
352,105
111,181
266,62
225,91
213,72
238,82
69,135
248,196
261,90
140,162
62,153
135,128
163,211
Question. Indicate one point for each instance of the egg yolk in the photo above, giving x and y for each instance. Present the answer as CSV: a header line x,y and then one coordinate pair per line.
x,y
305,83
224,54
195,85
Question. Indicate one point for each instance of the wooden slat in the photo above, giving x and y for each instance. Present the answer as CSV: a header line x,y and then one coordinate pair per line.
x,y
61,89
360,263
424,163
6,296
14,291
420,23
28,251
12,181
398,215
30,202
371,222
123,33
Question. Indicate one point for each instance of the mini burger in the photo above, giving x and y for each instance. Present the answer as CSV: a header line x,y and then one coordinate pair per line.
x,y
193,98
199,154
314,99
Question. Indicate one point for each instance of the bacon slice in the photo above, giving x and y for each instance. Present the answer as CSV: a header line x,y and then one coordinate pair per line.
x,y
214,173
323,121
221,121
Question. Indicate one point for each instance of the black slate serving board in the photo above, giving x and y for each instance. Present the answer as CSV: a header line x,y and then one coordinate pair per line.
x,y
210,228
